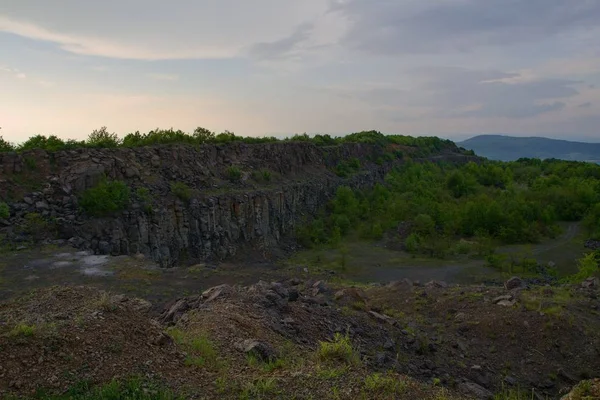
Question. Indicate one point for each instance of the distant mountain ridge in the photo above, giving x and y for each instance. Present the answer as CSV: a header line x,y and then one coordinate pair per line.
x,y
510,148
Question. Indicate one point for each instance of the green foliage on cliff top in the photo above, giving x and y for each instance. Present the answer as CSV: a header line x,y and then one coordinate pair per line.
x,y
102,138
105,198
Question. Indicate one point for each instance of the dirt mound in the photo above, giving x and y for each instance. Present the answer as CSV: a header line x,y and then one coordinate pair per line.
x,y
307,339
58,337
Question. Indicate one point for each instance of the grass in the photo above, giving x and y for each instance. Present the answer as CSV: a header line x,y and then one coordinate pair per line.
x,y
22,330
378,384
202,350
105,303
339,350
332,373
259,388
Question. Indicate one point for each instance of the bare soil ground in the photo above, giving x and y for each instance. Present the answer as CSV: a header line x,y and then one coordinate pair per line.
x,y
308,340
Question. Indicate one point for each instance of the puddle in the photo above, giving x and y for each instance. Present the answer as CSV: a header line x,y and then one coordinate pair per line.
x,y
94,260
95,271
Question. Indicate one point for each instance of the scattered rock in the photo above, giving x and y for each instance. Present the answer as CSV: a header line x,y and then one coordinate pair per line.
x,y
217,291
259,349
590,283
514,283
437,284
475,390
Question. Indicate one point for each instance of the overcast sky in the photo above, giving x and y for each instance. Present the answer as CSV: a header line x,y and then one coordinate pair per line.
x,y
452,68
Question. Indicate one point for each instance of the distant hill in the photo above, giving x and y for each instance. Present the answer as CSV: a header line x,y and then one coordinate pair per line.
x,y
509,148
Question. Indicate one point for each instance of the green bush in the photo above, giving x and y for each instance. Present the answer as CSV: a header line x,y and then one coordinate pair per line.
x,y
587,267
102,138
181,190
5,146
105,198
4,210
234,174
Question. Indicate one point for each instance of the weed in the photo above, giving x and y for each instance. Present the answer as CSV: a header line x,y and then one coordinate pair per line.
x,y
23,330
260,387
30,163
182,191
143,196
221,385
331,373
384,384
234,174
106,198
339,350
105,303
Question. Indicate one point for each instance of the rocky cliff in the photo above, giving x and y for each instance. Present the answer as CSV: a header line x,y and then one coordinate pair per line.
x,y
276,186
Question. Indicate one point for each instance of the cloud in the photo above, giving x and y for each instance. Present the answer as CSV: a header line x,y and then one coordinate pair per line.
x,y
391,27
97,46
14,72
587,104
163,77
464,93
282,47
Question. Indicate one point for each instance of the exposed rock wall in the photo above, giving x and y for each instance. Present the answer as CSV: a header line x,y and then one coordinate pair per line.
x,y
221,216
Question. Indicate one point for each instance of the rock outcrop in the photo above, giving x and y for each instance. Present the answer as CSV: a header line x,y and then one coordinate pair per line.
x,y
221,217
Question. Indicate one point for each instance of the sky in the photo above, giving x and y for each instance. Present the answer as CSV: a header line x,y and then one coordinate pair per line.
x,y
450,68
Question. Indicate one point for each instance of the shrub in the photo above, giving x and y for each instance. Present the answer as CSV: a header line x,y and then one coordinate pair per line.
x,y
234,174
588,267
5,146
181,190
381,384
105,198
339,350
102,138
4,210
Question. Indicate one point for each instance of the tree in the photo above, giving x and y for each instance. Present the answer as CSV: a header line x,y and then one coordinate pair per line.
x,y
203,135
102,138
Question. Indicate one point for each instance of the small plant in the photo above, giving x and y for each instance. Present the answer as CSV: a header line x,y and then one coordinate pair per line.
x,y
234,174
5,146
105,198
588,266
182,191
105,303
331,373
23,330
4,210
259,388
339,350
384,384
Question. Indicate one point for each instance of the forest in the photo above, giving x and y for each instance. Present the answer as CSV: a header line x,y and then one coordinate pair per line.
x,y
439,210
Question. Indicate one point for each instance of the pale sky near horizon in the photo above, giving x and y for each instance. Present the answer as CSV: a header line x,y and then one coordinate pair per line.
x,y
452,68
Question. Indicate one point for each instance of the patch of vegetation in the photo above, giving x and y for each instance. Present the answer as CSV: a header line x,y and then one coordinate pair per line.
x,y
234,174
22,330
339,350
347,168
378,385
105,303
4,210
259,388
102,138
467,209
264,175
587,267
106,198
182,191
327,373
202,351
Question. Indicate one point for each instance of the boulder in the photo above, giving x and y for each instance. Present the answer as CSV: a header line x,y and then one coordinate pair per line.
x,y
215,292
262,350
437,284
514,283
475,390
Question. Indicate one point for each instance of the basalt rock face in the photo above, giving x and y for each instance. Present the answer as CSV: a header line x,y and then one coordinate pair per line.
x,y
220,218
